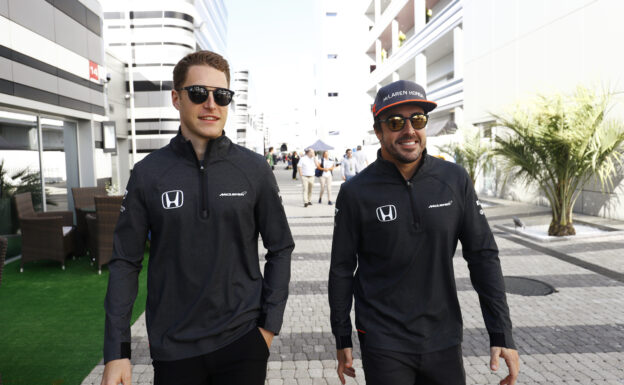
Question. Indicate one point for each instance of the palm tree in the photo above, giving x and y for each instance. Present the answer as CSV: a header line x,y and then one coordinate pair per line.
x,y
472,152
561,143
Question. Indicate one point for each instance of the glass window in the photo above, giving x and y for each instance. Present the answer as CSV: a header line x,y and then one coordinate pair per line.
x,y
19,157
19,165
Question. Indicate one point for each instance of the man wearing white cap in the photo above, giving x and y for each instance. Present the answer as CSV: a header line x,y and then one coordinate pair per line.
x,y
398,222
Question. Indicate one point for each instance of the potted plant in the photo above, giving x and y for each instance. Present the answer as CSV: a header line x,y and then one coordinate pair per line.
x,y
471,152
561,143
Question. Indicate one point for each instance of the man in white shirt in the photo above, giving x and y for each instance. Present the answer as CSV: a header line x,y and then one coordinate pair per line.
x,y
360,160
306,167
349,166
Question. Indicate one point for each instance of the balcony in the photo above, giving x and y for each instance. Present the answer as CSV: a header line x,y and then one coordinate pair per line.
x,y
448,95
443,23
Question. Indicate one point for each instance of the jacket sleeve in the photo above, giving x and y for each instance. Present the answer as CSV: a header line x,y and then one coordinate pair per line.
x,y
277,239
481,253
342,267
124,267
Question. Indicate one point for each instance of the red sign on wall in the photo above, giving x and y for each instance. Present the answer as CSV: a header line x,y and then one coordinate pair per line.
x,y
93,71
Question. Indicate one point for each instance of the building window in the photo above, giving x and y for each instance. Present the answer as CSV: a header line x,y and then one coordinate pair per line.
x,y
487,129
332,94
331,14
332,56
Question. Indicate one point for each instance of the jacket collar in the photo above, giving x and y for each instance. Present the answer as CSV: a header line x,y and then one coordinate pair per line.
x,y
387,167
217,148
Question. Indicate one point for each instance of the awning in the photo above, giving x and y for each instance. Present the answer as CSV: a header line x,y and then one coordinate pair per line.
x,y
319,145
441,128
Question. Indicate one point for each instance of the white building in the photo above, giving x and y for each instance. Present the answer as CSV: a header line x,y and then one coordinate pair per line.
x,y
153,36
240,118
475,57
212,30
256,132
421,41
52,92
342,108
246,129
518,48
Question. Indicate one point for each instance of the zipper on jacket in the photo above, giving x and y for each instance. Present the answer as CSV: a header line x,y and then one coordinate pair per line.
x,y
203,165
415,221
203,183
203,180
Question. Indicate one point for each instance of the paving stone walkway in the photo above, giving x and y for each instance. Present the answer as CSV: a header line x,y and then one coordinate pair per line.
x,y
574,336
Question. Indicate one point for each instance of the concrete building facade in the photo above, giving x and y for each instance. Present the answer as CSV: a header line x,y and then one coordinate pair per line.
x,y
151,37
52,92
421,41
341,109
246,130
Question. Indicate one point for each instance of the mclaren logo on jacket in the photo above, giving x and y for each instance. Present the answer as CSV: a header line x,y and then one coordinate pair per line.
x,y
173,199
386,213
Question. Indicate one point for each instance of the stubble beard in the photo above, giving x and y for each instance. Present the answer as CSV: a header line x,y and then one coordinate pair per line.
x,y
391,148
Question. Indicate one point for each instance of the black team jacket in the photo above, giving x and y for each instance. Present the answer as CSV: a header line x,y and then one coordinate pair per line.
x,y
205,287
402,235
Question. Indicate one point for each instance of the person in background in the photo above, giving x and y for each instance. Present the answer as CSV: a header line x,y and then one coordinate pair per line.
x,y
307,165
270,158
360,160
295,162
327,166
348,165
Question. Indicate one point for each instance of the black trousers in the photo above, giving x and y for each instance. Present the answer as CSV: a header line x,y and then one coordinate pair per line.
x,y
243,362
444,367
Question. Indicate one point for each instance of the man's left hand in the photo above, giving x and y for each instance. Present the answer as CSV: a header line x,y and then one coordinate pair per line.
x,y
268,336
511,359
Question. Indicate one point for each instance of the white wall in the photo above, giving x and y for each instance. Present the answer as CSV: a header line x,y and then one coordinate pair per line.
x,y
518,48
439,70
349,113
514,49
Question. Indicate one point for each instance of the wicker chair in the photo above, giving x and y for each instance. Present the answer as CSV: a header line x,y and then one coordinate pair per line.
x,y
83,199
4,243
47,235
101,228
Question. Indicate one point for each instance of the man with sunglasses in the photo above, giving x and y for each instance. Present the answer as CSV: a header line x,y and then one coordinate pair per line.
x,y
211,314
398,222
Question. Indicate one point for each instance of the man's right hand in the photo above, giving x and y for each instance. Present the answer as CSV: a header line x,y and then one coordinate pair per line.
x,y
345,363
117,371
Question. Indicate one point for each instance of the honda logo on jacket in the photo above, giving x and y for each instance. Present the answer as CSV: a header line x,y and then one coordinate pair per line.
x,y
386,213
173,199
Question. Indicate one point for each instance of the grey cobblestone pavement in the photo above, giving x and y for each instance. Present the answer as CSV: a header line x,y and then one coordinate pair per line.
x,y
574,336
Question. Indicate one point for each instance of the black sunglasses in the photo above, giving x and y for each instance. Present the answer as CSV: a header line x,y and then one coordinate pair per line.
x,y
199,94
397,122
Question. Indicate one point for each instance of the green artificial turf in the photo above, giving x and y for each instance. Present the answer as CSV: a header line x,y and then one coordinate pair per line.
x,y
52,321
